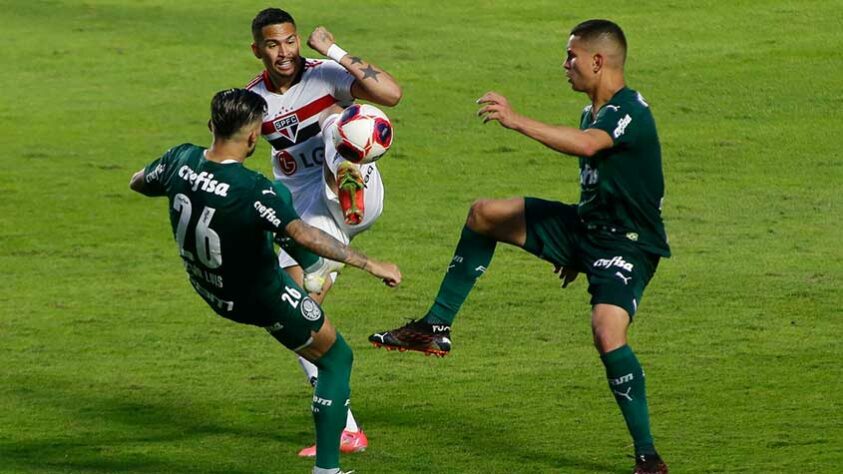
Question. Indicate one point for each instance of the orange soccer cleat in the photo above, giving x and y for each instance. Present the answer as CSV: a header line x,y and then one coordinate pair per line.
x,y
350,442
350,188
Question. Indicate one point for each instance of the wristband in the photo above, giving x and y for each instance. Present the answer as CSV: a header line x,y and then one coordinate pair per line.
x,y
335,52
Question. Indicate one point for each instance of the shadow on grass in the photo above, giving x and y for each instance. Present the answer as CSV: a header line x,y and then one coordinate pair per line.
x,y
491,441
103,429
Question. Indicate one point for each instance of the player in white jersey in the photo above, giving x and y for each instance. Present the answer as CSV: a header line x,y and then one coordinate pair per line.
x,y
298,92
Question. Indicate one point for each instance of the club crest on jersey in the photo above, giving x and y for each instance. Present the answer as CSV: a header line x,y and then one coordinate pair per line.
x,y
310,310
287,126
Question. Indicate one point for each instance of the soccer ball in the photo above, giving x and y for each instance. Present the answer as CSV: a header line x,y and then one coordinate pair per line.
x,y
363,134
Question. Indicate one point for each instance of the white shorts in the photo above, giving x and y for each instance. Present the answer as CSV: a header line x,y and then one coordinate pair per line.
x,y
320,208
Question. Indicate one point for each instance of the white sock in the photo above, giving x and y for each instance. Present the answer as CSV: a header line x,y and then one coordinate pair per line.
x,y
351,423
312,373
322,470
310,370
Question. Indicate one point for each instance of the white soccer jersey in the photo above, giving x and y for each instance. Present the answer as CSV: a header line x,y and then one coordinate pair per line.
x,y
291,122
319,206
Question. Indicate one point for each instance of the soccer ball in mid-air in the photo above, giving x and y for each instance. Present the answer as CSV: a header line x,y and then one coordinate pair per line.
x,y
363,133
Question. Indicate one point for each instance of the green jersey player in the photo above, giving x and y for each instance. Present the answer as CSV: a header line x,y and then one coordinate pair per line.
x,y
224,218
614,235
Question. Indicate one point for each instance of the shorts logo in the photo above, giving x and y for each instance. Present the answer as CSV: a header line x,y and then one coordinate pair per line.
x,y
310,310
274,328
624,278
613,262
287,126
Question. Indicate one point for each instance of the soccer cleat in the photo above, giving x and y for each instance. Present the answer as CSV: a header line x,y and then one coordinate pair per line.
x,y
350,442
416,336
350,186
649,464
314,280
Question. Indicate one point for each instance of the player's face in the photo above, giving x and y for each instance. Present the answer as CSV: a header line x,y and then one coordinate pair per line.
x,y
278,48
578,65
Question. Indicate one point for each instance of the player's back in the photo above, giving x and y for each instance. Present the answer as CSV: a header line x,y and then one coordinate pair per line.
x,y
222,227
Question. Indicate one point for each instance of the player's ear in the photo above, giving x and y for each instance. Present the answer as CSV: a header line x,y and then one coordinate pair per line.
x,y
210,126
254,136
255,50
597,62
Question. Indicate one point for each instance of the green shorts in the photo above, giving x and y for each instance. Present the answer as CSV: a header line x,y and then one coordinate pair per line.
x,y
282,308
617,269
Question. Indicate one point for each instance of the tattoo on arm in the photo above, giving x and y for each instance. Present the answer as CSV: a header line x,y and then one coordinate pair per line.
x,y
322,244
356,60
370,72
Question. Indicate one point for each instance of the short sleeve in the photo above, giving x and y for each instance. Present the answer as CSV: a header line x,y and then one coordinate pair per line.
x,y
332,158
273,205
339,81
617,121
154,175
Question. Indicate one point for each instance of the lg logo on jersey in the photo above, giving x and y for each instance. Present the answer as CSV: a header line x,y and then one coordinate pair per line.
x,y
288,164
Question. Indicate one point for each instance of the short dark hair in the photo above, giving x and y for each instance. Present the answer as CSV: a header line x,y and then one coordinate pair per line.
x,y
270,16
590,30
233,109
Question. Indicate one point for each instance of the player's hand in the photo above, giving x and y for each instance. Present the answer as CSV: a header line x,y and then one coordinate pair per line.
x,y
320,40
566,274
386,271
496,107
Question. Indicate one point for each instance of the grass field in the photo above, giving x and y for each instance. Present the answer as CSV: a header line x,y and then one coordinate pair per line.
x,y
110,363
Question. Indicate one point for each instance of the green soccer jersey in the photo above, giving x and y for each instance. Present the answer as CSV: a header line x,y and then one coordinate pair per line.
x,y
223,218
622,187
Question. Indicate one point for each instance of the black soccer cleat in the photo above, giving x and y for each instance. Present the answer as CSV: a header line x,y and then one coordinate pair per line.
x,y
416,336
649,464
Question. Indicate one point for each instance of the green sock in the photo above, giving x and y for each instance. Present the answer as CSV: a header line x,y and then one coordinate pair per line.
x,y
472,256
305,258
626,380
330,402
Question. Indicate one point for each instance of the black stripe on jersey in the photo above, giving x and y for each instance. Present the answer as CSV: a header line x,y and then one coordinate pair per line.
x,y
304,134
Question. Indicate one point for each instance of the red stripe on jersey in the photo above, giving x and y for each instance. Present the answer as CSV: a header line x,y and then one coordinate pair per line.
x,y
255,81
302,113
267,82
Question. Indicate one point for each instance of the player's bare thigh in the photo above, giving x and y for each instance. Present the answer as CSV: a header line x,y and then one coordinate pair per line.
x,y
501,219
322,342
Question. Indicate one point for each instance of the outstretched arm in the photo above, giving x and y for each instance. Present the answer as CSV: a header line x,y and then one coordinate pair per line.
x,y
568,140
372,83
324,245
137,181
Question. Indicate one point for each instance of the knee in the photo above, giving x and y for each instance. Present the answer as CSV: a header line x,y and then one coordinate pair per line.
x,y
607,339
338,358
478,216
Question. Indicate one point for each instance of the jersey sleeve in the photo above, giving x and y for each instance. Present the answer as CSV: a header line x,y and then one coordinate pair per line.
x,y
617,121
155,174
339,80
273,205
332,158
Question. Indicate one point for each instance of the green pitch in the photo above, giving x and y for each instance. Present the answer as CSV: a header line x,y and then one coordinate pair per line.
x,y
110,363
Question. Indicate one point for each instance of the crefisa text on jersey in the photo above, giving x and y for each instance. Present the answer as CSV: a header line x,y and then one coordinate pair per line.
x,y
267,213
204,181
